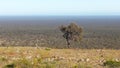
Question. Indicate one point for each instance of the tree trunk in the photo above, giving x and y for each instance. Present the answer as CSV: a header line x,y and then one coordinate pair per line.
x,y
68,43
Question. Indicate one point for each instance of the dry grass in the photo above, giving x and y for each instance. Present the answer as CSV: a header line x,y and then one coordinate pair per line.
x,y
56,58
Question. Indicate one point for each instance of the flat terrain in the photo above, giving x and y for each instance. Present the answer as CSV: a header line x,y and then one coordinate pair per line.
x,y
19,37
32,57
99,32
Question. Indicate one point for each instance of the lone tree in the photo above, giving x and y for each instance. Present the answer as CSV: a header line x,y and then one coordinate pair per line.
x,y
71,32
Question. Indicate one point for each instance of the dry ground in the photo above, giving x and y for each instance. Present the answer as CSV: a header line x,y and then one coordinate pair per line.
x,y
32,57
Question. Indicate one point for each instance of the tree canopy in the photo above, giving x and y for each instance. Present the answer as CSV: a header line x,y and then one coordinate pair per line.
x,y
71,32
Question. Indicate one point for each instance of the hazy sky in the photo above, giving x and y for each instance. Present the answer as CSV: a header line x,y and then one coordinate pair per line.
x,y
59,7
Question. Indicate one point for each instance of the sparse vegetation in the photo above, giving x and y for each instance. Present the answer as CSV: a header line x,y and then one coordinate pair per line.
x,y
31,57
52,38
41,45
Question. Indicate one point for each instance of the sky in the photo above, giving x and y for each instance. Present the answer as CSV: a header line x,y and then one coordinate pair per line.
x,y
59,7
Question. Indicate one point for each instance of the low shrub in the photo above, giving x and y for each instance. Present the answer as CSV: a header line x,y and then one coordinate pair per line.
x,y
9,66
112,64
47,49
